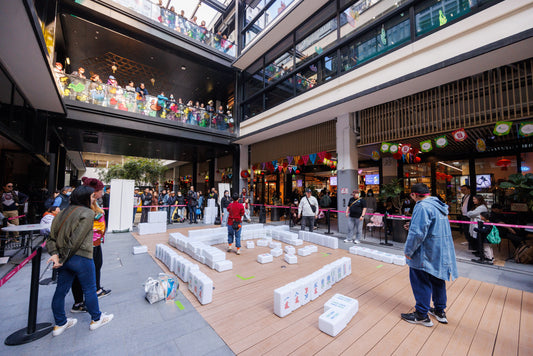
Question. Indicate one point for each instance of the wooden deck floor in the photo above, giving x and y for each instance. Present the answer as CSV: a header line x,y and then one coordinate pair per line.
x,y
484,319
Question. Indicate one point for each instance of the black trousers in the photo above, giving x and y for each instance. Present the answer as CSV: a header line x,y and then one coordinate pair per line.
x,y
98,259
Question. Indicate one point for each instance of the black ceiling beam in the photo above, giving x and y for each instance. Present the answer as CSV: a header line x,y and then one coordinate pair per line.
x,y
216,5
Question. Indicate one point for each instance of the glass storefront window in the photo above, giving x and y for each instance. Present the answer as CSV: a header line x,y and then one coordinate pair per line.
x,y
279,93
314,44
435,13
278,68
416,173
527,163
449,176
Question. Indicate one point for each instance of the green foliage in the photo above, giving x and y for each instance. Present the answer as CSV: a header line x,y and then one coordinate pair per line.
x,y
392,190
521,187
141,170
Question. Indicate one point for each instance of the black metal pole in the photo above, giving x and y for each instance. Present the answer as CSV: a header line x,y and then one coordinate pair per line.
x,y
385,224
328,220
33,331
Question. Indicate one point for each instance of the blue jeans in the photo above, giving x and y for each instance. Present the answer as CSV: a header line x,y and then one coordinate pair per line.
x,y
83,268
225,217
425,286
355,227
192,213
236,233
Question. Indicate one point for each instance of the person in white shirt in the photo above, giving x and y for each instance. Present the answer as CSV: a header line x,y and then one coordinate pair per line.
x,y
308,210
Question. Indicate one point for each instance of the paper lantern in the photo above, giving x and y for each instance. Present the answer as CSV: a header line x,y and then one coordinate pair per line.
x,y
245,174
397,156
417,159
504,163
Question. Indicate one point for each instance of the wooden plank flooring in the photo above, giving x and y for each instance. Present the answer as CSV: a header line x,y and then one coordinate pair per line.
x,y
484,319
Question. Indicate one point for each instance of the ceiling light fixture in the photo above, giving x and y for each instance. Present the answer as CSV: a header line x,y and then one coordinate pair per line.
x,y
183,68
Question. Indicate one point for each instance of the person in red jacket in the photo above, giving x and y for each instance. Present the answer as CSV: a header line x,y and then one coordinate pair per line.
x,y
236,211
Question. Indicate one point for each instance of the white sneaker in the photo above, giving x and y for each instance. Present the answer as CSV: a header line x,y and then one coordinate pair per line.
x,y
347,240
58,330
356,242
104,319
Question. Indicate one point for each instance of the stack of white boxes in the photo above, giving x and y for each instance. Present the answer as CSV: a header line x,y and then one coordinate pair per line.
x,y
338,311
210,212
307,250
378,255
157,223
197,248
295,294
286,236
188,272
322,240
252,231
265,258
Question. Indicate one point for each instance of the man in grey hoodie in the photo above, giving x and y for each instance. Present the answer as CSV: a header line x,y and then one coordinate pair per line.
x,y
430,254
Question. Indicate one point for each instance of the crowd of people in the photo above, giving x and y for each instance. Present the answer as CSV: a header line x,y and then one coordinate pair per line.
x,y
137,99
189,27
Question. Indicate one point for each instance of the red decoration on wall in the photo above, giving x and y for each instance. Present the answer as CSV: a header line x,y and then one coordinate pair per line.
x,y
417,159
397,156
245,174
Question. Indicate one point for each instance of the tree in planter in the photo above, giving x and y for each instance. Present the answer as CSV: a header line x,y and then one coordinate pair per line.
x,y
522,188
392,190
141,170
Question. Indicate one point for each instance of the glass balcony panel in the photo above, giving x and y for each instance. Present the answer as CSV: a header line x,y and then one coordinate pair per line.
x,y
430,15
279,93
253,107
328,67
253,84
278,68
306,78
317,42
178,23
269,15
114,97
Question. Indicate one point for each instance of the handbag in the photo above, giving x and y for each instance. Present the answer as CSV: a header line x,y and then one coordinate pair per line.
x,y
198,211
494,236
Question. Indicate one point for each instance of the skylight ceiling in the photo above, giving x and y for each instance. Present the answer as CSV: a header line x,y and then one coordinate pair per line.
x,y
196,8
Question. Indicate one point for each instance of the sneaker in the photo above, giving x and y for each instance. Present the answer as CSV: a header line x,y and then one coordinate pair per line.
x,y
477,260
58,330
78,308
104,319
103,292
229,249
486,261
356,242
440,316
238,251
348,240
414,318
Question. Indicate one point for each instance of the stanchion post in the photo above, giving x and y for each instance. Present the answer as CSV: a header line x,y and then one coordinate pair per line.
x,y
328,221
33,331
385,223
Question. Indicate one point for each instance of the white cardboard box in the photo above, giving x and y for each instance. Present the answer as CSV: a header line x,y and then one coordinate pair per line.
x,y
152,228
265,258
250,244
290,250
140,249
276,252
222,266
291,259
157,217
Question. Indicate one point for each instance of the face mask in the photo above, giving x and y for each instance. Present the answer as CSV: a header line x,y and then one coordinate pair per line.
x,y
68,193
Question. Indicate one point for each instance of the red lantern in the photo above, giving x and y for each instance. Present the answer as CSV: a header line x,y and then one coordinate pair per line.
x,y
504,163
245,174
397,156
418,159
297,171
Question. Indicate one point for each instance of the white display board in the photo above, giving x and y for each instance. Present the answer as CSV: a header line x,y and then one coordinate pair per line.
x,y
121,205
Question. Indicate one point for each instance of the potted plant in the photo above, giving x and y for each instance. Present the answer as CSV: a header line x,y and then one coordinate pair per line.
x,y
521,187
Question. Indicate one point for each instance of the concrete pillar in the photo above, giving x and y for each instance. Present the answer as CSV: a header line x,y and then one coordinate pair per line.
x,y
236,179
347,165
243,160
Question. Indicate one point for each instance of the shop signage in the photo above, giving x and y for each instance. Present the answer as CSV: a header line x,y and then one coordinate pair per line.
x,y
459,135
393,148
405,149
385,146
375,155
344,190
480,145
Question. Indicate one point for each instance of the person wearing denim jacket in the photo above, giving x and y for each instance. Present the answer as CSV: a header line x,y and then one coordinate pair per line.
x,y
430,255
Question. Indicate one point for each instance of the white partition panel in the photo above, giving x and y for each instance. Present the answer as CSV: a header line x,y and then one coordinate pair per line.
x,y
121,205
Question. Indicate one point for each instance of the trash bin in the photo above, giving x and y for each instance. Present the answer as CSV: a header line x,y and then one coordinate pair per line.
x,y
275,214
399,234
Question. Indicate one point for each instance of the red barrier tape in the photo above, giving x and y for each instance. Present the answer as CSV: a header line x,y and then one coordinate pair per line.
x,y
16,217
11,273
150,206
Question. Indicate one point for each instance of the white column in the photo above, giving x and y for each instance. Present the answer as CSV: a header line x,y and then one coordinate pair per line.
x,y
347,165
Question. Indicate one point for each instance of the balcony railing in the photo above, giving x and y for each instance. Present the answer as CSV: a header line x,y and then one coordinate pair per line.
x,y
180,24
86,91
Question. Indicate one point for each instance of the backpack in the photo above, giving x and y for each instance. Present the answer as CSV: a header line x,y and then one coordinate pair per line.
x,y
494,236
524,254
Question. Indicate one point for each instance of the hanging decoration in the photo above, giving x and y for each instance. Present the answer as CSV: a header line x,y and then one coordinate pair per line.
x,y
328,155
480,145
442,18
441,141
459,135
526,129
383,35
426,146
503,163
385,146
152,80
321,155
114,67
375,155
312,157
405,149
289,159
305,158
397,156
393,148
502,128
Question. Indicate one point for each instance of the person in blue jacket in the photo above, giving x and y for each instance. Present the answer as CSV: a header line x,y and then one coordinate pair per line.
x,y
430,255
